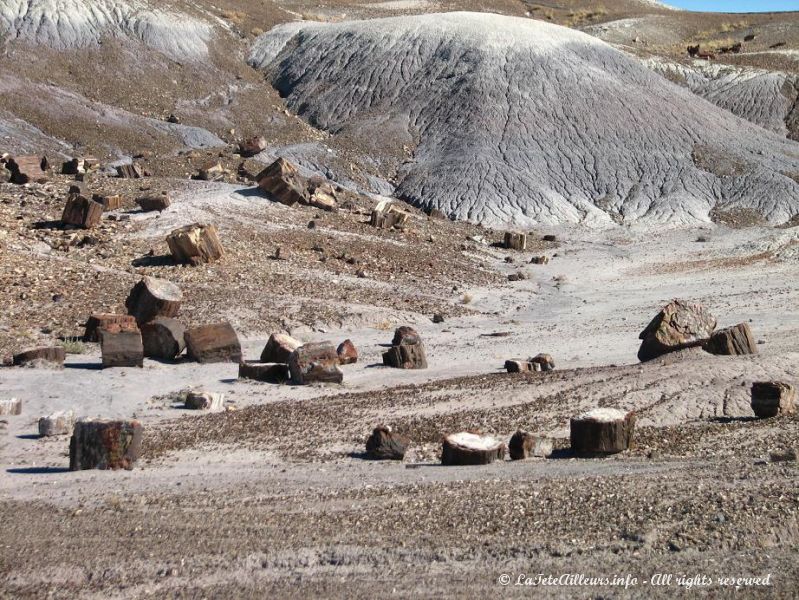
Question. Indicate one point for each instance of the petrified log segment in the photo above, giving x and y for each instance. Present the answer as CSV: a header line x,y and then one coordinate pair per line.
x,y
406,357
283,182
121,348
405,336
515,241
732,341
773,398
315,363
109,202
678,325
387,216
105,445
51,354
252,146
212,171
108,322
347,353
267,372
278,348
602,431
385,444
213,343
471,449
12,406
163,338
27,169
154,202
205,401
132,171
151,298
59,423
543,362
524,445
82,212
518,366
195,244
539,260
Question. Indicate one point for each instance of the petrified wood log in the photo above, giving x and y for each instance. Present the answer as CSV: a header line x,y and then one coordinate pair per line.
x,y
105,445
283,182
405,336
515,241
151,298
50,354
132,171
732,341
539,260
347,353
545,362
12,406
154,202
773,398
213,343
524,445
678,325
267,372
27,169
163,338
109,202
195,244
315,363
518,366
82,212
466,448
204,401
602,431
252,146
387,216
59,423
121,348
109,322
385,444
406,357
278,348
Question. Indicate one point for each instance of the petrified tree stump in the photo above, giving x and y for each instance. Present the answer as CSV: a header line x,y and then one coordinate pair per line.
x,y
267,372
524,445
385,444
108,322
545,362
12,406
205,401
736,340
602,431
405,336
515,241
466,448
151,298
54,355
773,398
59,423
213,343
283,182
109,202
278,348
121,348
105,445
154,202
315,363
82,212
27,169
163,338
678,325
347,353
195,244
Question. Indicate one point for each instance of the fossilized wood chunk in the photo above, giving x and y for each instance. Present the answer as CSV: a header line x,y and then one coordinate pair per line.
x,y
678,325
82,212
12,406
387,216
58,423
466,448
544,362
405,336
197,400
515,241
213,343
732,341
27,169
602,431
108,322
539,260
105,444
163,338
524,445
347,353
385,444
151,298
109,202
212,171
518,366
132,171
54,355
315,363
773,398
154,202
252,146
121,348
406,357
283,182
195,244
267,372
278,348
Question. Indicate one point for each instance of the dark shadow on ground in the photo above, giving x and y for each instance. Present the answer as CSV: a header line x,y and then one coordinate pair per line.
x,y
164,260
37,470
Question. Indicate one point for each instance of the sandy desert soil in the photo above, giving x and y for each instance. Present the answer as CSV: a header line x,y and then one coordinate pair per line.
x,y
276,499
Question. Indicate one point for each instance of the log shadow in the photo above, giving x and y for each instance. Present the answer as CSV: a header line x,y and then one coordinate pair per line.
x,y
252,192
29,436
164,260
37,470
727,420
562,453
374,365
48,225
84,365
